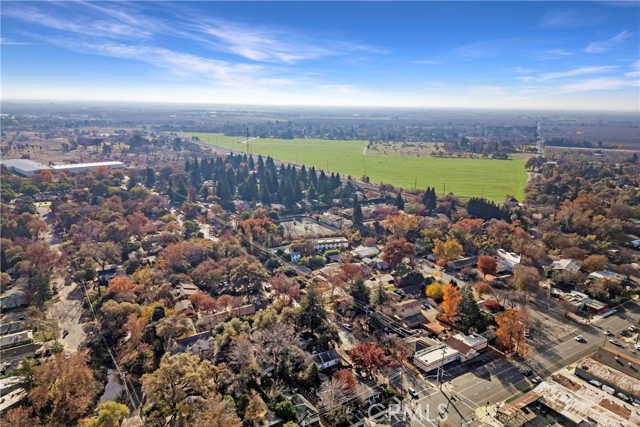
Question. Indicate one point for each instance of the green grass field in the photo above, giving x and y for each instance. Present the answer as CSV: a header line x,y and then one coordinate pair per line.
x,y
464,177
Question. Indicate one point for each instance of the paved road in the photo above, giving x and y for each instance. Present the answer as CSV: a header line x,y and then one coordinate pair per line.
x,y
501,378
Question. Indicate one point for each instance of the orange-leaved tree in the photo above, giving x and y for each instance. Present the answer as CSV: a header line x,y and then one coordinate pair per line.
x,y
451,302
510,332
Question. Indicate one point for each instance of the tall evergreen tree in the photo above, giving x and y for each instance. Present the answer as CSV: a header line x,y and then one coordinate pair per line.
x,y
312,314
399,202
265,195
358,217
469,316
359,291
151,177
311,193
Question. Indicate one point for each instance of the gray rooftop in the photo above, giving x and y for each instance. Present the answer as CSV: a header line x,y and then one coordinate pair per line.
x,y
24,165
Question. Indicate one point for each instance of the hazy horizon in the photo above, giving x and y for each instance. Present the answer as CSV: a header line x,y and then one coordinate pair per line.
x,y
545,56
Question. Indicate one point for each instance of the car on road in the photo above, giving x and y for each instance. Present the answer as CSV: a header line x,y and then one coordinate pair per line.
x,y
579,338
608,332
615,342
347,326
625,333
637,346
413,393
536,380
632,328
526,372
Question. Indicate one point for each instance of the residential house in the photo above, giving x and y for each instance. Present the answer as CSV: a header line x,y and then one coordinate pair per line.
x,y
201,344
185,290
466,352
607,275
327,359
365,252
307,415
408,308
507,260
467,345
377,263
295,255
107,273
185,307
13,298
366,393
462,263
569,265
16,339
473,340
210,321
12,327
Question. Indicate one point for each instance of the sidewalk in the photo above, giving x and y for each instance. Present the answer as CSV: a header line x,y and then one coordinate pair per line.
x,y
486,415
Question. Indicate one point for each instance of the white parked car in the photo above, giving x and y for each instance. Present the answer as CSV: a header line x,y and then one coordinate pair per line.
x,y
579,338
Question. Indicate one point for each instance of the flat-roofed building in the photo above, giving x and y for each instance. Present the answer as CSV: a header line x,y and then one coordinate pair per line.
x,y
590,369
327,243
434,357
84,167
23,167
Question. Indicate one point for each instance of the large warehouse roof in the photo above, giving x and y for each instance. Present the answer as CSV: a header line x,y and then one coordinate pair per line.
x,y
23,167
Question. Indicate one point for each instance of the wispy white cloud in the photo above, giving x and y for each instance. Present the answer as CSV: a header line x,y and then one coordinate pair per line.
x,y
598,84
523,70
6,41
569,19
263,44
178,64
86,26
608,44
635,73
581,71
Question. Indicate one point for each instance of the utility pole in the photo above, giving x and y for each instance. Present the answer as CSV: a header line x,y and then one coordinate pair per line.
x,y
441,368
519,335
247,141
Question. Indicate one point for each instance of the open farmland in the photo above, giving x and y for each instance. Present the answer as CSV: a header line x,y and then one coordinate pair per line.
x,y
464,177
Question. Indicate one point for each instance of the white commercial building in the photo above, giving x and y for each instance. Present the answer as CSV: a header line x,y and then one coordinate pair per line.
x,y
23,167
433,357
84,167
27,168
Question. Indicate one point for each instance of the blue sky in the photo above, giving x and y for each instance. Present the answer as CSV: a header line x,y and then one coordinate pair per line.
x,y
530,55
